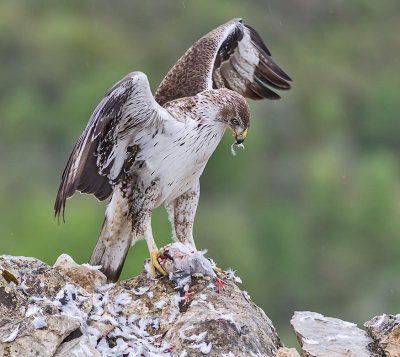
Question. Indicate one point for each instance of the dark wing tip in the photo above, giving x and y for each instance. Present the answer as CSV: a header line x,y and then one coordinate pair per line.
x,y
63,193
262,90
264,52
59,206
256,38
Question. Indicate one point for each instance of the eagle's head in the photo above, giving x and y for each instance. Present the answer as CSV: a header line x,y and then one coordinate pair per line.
x,y
235,114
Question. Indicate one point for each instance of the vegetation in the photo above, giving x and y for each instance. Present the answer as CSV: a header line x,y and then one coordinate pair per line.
x,y
308,214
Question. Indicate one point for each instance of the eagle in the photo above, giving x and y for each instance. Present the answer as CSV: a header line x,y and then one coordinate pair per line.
x,y
143,151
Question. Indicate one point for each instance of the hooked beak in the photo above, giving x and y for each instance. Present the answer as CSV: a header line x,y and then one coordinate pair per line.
x,y
240,137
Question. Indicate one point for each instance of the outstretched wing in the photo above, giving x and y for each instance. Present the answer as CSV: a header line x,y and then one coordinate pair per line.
x,y
232,56
99,155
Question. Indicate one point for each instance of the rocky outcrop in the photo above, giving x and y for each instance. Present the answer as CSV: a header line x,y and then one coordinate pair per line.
x,y
87,277
385,330
326,336
46,312
30,323
68,310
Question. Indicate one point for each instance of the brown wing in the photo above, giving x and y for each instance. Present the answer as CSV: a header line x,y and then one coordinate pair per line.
x,y
98,157
232,56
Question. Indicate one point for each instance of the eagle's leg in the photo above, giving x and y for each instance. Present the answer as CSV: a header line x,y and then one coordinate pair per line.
x,y
115,239
154,252
181,212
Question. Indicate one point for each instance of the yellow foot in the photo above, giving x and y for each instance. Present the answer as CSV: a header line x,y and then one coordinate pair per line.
x,y
154,264
218,270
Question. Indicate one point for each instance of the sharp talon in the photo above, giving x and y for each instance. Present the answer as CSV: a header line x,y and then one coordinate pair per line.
x,y
167,255
221,283
154,264
220,270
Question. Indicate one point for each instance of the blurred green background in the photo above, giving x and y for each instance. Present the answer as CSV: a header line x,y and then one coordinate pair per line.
x,y
308,214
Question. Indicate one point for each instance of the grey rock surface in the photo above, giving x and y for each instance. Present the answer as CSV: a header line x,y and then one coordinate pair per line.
x,y
385,330
329,337
35,277
287,352
84,275
30,324
43,312
213,323
78,347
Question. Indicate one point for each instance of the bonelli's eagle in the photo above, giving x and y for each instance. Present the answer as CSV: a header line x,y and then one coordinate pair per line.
x,y
143,150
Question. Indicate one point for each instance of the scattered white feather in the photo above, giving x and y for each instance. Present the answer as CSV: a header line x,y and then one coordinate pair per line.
x,y
204,347
379,321
132,318
203,297
66,301
172,315
233,277
177,299
39,322
123,299
25,288
93,335
160,304
105,287
84,347
141,290
194,338
226,317
131,333
92,267
32,310
13,335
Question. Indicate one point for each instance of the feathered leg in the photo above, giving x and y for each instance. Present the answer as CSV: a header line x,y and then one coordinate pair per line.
x,y
115,239
181,212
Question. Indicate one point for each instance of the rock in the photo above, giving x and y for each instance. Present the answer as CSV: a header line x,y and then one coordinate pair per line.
x,y
213,323
29,322
88,277
35,277
32,341
44,312
326,336
287,352
79,347
385,330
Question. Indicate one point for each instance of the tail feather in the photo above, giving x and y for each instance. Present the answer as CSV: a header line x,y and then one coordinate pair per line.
x,y
112,248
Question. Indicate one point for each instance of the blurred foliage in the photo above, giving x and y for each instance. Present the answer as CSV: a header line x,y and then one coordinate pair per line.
x,y
308,214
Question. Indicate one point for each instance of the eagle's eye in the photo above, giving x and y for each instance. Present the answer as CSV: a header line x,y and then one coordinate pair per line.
x,y
235,121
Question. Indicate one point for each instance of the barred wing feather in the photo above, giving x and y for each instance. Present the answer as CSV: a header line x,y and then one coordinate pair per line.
x,y
98,157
